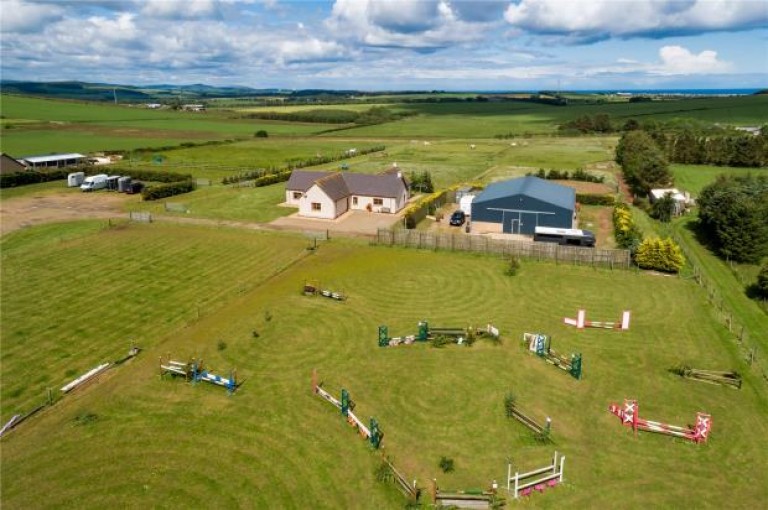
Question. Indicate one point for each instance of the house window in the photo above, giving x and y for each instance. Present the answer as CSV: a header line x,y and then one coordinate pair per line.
x,y
378,201
354,200
297,195
316,206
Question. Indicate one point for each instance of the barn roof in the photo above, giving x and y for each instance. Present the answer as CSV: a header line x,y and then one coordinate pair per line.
x,y
52,157
534,187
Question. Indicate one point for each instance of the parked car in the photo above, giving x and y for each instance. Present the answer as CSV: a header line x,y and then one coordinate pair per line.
x,y
458,218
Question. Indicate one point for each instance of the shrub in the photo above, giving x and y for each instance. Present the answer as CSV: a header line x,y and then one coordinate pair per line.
x,y
513,266
509,404
261,134
595,199
660,254
222,345
761,286
167,190
626,233
446,464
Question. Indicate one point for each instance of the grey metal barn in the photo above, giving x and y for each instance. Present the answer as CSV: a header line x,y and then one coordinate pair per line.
x,y
518,206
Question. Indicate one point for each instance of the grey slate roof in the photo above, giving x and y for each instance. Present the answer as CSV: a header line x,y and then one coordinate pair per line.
x,y
302,181
334,186
385,185
540,189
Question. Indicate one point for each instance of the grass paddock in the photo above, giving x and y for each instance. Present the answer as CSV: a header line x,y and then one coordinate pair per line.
x,y
133,439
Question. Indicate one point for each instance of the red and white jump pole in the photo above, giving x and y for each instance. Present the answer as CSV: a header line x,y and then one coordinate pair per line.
x,y
629,417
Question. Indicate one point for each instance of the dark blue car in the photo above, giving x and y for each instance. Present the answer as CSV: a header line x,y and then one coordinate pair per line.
x,y
458,218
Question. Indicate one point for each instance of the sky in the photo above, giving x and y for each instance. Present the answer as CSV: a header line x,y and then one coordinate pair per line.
x,y
380,45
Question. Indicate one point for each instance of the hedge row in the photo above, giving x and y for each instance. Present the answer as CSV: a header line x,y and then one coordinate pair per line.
x,y
417,211
292,165
14,179
167,190
595,199
266,180
154,175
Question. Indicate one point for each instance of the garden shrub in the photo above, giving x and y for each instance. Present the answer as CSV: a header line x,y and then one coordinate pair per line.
x,y
660,254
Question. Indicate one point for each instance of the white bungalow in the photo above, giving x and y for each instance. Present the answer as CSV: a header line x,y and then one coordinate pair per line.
x,y
330,194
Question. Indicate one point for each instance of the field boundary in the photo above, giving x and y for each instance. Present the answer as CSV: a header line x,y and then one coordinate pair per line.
x,y
723,312
595,257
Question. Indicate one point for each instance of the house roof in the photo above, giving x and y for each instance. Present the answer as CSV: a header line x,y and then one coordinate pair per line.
x,y
334,186
385,185
52,157
534,187
9,164
301,180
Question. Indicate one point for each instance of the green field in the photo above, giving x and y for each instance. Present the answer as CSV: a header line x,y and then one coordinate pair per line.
x,y
693,178
41,126
133,439
254,205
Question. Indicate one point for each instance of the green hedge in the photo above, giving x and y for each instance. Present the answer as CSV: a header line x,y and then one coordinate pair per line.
x,y
139,174
266,180
167,190
14,179
595,199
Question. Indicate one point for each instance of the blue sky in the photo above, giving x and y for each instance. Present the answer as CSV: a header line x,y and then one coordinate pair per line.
x,y
391,44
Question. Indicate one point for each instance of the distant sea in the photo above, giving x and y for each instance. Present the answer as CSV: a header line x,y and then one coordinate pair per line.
x,y
678,92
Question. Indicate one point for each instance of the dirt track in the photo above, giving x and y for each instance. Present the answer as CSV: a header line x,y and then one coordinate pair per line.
x,y
16,213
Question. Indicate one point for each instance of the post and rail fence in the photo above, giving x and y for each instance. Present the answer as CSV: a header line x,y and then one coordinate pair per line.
x,y
576,255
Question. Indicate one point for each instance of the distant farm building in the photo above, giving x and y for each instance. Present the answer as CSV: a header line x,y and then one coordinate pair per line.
x,y
54,161
193,107
518,206
9,165
681,200
330,194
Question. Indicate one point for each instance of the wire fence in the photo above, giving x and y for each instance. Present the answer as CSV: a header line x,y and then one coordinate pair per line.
x,y
724,314
595,257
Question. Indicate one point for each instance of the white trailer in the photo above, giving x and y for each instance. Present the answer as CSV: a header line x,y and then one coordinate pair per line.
x,y
75,179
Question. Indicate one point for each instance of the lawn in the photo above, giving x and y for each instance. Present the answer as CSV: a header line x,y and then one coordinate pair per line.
x,y
133,439
218,161
254,205
693,178
109,287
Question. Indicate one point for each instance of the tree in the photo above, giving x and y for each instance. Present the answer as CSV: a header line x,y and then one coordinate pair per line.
x,y
663,208
762,282
734,214
642,162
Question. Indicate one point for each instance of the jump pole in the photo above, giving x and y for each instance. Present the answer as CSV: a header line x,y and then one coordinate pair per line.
x,y
581,322
554,476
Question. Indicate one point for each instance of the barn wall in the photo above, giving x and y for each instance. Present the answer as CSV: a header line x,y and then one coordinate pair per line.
x,y
516,219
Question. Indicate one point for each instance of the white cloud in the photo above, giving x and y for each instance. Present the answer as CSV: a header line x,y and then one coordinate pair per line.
x,y
179,9
679,60
592,20
417,24
18,16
